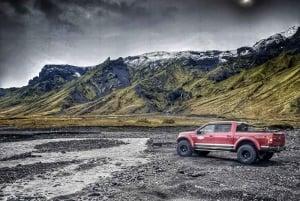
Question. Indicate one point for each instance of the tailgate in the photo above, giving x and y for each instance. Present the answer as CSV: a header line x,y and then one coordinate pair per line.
x,y
277,139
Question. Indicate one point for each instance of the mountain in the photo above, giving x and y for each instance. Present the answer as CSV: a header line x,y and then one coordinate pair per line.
x,y
254,82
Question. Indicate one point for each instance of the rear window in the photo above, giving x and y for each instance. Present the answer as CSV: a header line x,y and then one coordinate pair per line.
x,y
243,128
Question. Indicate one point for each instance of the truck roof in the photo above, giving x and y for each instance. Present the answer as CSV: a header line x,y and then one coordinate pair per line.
x,y
226,122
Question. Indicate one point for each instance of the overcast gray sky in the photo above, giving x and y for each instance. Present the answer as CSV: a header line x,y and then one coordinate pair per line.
x,y
85,32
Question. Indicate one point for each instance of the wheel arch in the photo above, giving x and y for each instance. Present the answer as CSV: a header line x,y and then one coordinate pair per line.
x,y
188,139
250,141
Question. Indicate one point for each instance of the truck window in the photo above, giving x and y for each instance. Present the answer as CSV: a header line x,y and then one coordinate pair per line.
x,y
207,129
222,128
242,128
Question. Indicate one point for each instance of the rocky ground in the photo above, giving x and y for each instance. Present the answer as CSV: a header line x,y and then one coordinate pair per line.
x,y
135,164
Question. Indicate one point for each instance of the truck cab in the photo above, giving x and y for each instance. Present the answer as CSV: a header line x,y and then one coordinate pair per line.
x,y
249,143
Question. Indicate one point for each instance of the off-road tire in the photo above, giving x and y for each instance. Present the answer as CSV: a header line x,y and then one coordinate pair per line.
x,y
246,154
201,153
184,148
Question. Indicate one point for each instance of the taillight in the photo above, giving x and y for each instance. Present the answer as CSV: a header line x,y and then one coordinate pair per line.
x,y
270,139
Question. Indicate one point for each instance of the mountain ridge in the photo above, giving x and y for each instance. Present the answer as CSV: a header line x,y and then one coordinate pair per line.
x,y
156,82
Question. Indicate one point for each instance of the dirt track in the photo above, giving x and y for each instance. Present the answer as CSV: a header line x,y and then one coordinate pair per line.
x,y
137,164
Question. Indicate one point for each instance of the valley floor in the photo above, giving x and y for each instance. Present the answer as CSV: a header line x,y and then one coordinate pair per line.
x,y
135,163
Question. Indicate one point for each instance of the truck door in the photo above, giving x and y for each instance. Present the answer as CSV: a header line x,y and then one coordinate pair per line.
x,y
205,134
223,136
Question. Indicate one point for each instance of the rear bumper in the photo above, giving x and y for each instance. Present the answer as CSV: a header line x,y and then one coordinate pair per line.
x,y
273,149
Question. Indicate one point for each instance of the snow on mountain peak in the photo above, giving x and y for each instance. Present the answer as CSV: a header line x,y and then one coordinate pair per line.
x,y
160,58
290,32
276,38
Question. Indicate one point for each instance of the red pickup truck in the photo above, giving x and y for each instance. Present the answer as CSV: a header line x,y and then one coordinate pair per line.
x,y
239,137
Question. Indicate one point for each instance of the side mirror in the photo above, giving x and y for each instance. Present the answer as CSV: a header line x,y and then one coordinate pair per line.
x,y
199,131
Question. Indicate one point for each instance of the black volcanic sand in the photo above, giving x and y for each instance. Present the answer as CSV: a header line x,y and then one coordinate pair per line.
x,y
219,176
77,145
11,174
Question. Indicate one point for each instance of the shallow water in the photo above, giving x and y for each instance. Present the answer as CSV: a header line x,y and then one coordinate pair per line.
x,y
69,179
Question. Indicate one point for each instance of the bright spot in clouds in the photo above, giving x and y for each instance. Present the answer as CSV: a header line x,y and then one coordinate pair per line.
x,y
246,2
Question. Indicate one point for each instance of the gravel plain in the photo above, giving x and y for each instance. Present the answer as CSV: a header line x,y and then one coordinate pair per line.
x,y
134,163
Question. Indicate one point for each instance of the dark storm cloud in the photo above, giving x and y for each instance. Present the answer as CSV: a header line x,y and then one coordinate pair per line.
x,y
130,9
9,25
85,32
124,8
28,30
53,13
19,6
49,8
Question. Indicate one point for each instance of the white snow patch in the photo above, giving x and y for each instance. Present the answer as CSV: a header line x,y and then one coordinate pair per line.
x,y
290,32
76,74
160,58
277,38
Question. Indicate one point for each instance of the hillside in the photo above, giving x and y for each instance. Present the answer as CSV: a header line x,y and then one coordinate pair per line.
x,y
257,82
270,90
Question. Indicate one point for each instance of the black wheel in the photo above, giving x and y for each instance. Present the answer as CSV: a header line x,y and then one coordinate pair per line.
x,y
201,153
184,148
267,156
246,154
